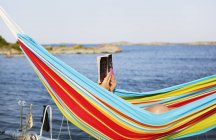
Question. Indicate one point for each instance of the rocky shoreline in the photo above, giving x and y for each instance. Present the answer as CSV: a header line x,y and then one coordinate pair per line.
x,y
67,50
12,49
77,49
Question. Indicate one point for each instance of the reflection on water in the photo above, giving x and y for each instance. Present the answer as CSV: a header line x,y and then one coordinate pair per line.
x,y
136,68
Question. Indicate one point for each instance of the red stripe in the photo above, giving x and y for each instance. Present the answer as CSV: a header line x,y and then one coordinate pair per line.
x,y
147,102
181,103
194,121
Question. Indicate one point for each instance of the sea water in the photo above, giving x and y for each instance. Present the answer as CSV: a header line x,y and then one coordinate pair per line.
x,y
137,68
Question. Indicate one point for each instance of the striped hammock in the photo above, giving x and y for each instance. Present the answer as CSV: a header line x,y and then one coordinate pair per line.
x,y
122,115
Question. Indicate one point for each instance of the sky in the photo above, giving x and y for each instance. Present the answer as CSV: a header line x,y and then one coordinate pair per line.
x,y
103,21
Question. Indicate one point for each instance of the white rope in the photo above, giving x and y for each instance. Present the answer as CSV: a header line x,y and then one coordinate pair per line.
x,y
13,27
8,23
13,22
50,109
69,130
61,127
67,127
10,20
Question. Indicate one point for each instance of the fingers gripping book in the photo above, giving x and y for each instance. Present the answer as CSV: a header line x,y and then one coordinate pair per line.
x,y
105,66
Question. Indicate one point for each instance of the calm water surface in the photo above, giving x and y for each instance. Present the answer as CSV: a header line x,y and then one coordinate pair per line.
x,y
136,68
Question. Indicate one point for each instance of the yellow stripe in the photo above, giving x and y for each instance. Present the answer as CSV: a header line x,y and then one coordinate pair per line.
x,y
199,126
189,97
175,92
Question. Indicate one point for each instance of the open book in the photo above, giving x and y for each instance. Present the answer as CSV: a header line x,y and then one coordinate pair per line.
x,y
105,65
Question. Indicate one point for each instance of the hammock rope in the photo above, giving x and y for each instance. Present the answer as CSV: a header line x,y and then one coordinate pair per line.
x,y
68,128
14,28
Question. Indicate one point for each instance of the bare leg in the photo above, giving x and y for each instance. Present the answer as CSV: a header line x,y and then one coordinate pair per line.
x,y
158,109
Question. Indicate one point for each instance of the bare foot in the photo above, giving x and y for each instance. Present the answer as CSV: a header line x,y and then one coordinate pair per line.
x,y
158,109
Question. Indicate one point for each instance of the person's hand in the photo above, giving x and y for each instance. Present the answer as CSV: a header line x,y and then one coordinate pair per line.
x,y
106,82
112,83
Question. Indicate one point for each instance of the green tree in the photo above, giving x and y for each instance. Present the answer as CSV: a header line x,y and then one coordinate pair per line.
x,y
3,42
6,45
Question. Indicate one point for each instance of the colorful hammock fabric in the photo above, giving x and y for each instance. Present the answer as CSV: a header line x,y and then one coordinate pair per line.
x,y
122,115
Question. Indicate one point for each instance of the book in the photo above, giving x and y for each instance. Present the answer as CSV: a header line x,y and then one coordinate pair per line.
x,y
105,65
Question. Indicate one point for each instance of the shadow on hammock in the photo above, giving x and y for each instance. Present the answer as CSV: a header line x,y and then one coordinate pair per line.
x,y
210,135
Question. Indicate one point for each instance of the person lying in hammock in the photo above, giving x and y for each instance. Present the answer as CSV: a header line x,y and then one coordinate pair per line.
x,y
109,83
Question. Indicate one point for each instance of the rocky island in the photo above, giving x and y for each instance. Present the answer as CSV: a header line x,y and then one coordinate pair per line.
x,y
10,49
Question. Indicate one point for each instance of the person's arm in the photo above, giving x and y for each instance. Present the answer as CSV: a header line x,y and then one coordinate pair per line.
x,y
109,82
106,82
113,83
